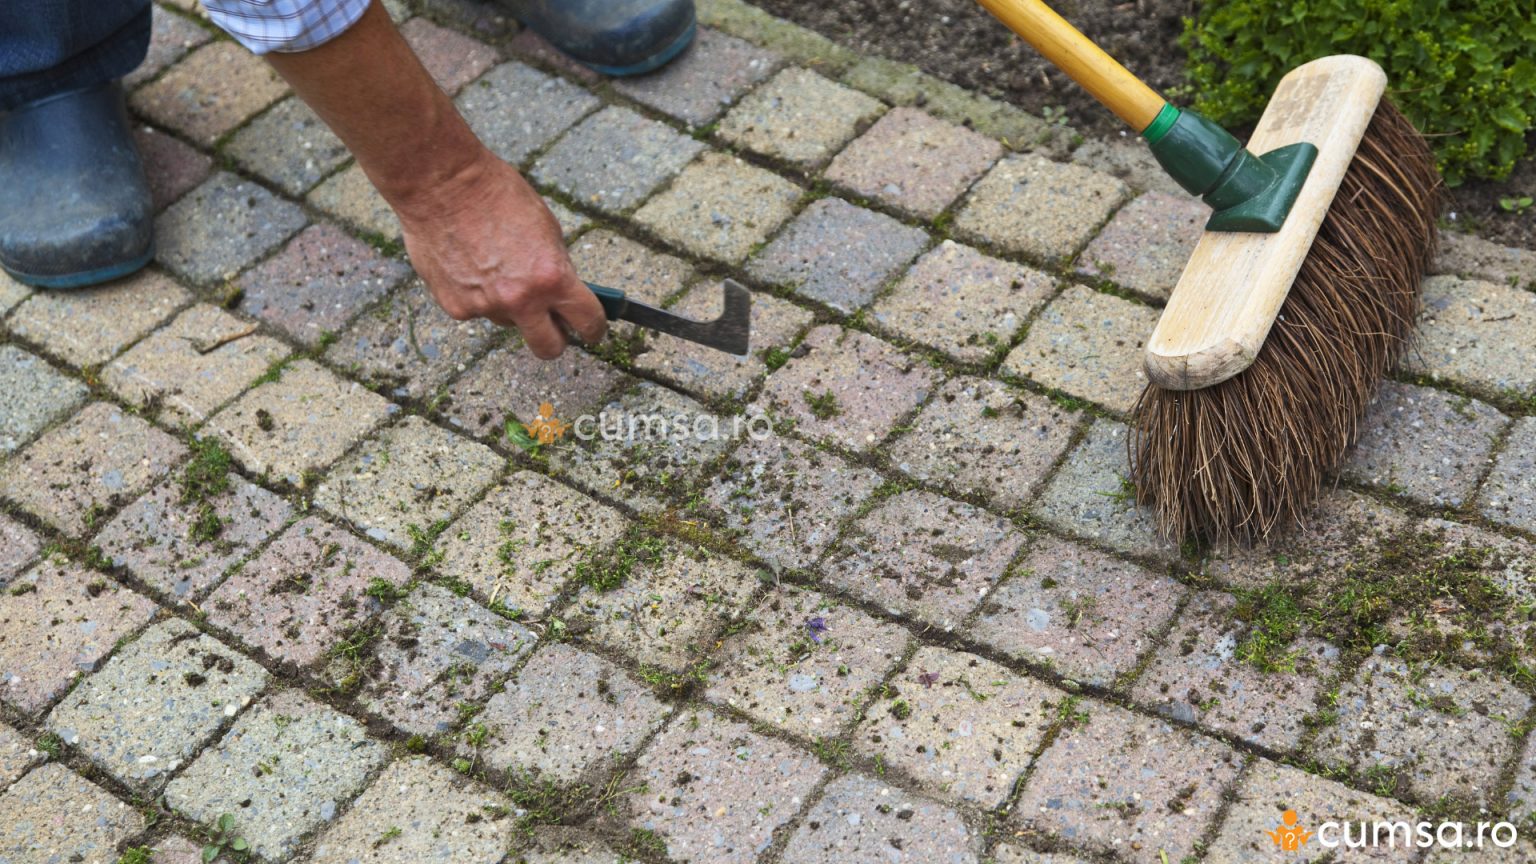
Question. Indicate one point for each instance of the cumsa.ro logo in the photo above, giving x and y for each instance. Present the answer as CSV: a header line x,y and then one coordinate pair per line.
x,y
1289,835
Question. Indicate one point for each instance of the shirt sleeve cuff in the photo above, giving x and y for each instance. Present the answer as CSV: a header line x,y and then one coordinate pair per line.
x,y
285,26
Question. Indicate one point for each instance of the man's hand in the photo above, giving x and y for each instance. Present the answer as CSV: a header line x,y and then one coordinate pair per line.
x,y
489,248
477,232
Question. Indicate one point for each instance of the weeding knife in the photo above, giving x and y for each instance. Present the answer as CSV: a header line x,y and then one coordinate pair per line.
x,y
729,333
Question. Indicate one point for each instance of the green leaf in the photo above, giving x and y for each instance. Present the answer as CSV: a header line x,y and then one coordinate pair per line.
x,y
239,845
210,852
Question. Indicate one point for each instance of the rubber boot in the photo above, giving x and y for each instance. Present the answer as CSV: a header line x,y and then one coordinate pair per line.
x,y
614,37
75,208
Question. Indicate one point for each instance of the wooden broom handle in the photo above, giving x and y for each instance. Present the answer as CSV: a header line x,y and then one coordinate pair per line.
x,y
1087,64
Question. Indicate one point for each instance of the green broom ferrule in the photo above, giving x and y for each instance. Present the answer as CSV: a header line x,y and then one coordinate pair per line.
x,y
1246,192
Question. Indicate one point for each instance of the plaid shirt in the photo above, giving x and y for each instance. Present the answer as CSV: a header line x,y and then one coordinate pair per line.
x,y
284,25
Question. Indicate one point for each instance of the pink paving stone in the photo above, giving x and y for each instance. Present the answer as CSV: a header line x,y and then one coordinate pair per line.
x,y
452,59
153,536
88,326
172,168
1269,789
1199,677
1118,781
409,345
318,283
914,162
961,727
437,652
846,387
983,437
1088,344
861,820
170,37
510,382
57,622
716,791
706,78
1078,611
100,459
804,662
786,499
209,93
517,546
55,815
300,595
17,755
923,555
1145,247
962,302
568,716
531,46
18,545
187,369
714,374
1009,854
1341,528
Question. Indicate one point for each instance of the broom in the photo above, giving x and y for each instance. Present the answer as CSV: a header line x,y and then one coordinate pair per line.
x,y
1300,296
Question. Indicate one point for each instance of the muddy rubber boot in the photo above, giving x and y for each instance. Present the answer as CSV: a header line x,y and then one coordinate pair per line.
x,y
74,205
614,37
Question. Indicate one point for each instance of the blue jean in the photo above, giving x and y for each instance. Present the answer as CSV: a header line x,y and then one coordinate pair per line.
x,y
53,46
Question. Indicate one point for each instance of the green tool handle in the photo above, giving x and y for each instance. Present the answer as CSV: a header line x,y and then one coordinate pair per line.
x,y
613,300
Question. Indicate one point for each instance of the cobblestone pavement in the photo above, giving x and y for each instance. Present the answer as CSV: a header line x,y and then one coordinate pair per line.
x,y
268,549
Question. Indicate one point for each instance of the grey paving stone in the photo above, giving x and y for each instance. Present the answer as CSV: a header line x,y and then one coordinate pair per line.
x,y
1268,790
32,396
517,110
638,451
410,345
519,544
289,146
1032,206
283,771
787,500
667,609
1427,732
720,208
348,196
904,84
704,80
1006,853
154,537
303,592
838,254
1521,853
11,293
17,755
804,662
170,38
1475,258
186,370
1119,781
156,703
914,162
1423,443
439,651
318,283
60,621
18,546
1342,527
451,58
1509,496
1085,614
798,117
298,424
1200,676
964,303
615,159
1128,158
1520,801
554,845
36,829
569,716
210,92
1090,345
1089,498
800,44
1476,334
983,437
861,820
613,260
571,222
716,791
419,811
172,168
846,387
88,326
926,556
714,374
411,476
1145,247
1510,564
100,459
510,383
222,227
962,727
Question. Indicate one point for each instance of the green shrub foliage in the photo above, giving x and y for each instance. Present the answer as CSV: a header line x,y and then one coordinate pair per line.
x,y
1464,71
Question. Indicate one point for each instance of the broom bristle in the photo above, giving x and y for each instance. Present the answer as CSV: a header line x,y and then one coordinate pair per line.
x,y
1236,461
